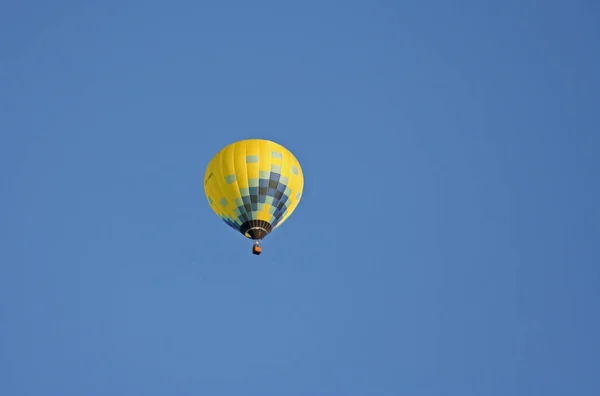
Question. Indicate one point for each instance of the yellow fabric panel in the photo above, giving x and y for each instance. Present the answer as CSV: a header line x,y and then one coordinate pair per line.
x,y
252,150
239,162
296,183
219,168
265,162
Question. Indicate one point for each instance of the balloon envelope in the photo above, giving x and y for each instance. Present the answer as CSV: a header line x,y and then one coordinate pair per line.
x,y
254,185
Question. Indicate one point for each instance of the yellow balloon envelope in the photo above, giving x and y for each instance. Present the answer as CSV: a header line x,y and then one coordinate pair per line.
x,y
254,185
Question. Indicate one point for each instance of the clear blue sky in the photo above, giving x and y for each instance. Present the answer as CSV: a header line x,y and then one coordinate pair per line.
x,y
446,244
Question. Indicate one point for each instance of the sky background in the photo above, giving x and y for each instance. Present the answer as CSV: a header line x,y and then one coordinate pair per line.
x,y
446,242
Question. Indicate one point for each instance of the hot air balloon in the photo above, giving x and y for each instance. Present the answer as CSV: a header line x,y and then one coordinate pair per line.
x,y
254,185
